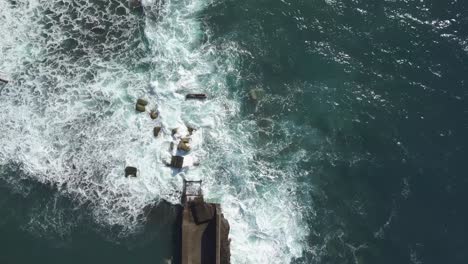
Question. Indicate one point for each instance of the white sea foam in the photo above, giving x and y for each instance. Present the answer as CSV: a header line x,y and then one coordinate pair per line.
x,y
79,135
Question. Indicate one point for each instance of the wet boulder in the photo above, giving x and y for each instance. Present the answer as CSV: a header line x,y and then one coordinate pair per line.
x,y
198,96
156,131
140,108
183,146
190,130
154,114
142,102
177,161
130,171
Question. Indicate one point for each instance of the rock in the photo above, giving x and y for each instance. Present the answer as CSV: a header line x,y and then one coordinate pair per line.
x,y
256,94
177,161
190,130
130,171
199,96
140,108
142,102
156,131
183,146
174,131
185,140
154,114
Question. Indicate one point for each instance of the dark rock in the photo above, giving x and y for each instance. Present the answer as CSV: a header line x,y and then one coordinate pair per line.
x,y
140,108
199,96
183,146
156,131
130,171
177,161
185,140
154,114
190,130
174,131
142,102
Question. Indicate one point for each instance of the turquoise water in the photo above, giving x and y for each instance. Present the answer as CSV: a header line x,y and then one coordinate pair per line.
x,y
352,151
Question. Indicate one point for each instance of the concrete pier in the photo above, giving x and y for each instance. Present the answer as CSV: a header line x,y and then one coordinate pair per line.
x,y
204,230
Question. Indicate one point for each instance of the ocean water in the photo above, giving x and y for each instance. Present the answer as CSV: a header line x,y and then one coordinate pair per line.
x,y
334,132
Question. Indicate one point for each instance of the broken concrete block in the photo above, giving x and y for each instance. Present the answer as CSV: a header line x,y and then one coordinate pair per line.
x,y
183,146
130,171
190,130
199,96
156,131
142,102
154,114
177,161
140,108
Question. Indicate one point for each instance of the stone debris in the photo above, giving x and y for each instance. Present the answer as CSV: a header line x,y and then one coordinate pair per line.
x,y
142,102
184,146
140,108
154,114
177,161
190,130
156,131
198,96
130,171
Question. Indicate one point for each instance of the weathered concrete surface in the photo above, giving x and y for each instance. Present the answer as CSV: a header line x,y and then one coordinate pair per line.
x,y
205,241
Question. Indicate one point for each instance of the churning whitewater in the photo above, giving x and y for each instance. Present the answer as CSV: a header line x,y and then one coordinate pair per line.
x,y
68,118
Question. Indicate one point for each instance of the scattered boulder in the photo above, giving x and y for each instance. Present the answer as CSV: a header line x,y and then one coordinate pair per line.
x,y
140,108
130,171
174,131
177,161
199,96
154,114
190,130
183,146
142,102
185,140
156,131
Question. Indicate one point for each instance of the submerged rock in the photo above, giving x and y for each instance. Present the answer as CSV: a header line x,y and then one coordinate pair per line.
x,y
174,131
256,94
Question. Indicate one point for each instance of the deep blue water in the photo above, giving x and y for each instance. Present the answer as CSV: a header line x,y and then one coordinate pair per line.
x,y
366,101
